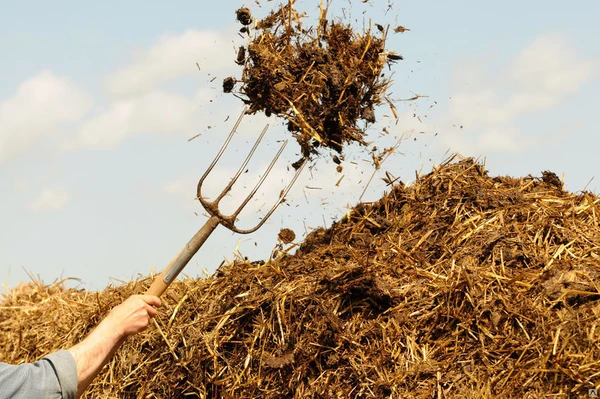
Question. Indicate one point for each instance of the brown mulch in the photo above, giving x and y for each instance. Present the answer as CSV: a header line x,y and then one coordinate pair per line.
x,y
324,80
459,285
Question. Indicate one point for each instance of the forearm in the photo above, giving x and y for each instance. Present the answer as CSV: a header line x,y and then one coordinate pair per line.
x,y
91,354
94,352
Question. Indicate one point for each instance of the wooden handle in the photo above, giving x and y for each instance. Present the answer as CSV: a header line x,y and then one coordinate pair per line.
x,y
159,286
162,282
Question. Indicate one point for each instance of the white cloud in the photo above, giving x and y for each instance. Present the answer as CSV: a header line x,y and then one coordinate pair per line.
x,y
50,199
154,112
171,57
503,139
182,189
551,65
38,111
542,76
141,106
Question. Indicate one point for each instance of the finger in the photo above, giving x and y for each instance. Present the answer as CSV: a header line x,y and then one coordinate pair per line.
x,y
151,311
152,300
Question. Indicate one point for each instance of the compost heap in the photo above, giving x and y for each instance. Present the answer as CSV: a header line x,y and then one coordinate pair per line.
x,y
460,285
322,80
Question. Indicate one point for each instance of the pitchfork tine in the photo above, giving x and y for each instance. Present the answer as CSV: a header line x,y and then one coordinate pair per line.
x,y
168,275
221,151
279,201
244,164
260,182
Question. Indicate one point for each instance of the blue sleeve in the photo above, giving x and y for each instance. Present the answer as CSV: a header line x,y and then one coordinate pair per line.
x,y
54,376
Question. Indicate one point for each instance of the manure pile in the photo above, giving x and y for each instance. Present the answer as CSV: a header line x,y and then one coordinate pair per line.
x,y
460,285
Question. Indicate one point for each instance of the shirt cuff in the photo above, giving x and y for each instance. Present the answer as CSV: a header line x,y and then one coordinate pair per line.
x,y
66,371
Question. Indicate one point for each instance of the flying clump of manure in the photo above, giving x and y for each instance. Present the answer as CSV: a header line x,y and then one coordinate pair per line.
x,y
286,236
322,80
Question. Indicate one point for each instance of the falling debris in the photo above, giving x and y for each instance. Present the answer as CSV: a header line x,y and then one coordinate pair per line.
x,y
228,84
286,235
323,80
244,16
400,29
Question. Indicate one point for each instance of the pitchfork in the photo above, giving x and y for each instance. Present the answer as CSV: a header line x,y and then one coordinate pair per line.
x,y
170,273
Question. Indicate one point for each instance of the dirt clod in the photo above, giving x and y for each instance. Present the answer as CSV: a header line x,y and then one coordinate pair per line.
x,y
228,84
286,235
241,56
244,16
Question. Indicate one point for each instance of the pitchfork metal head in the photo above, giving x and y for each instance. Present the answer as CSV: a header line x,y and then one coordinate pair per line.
x,y
212,207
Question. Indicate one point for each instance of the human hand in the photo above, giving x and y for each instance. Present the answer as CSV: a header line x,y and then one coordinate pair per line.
x,y
133,315
130,317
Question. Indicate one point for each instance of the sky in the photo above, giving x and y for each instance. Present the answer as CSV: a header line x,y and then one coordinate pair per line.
x,y
98,102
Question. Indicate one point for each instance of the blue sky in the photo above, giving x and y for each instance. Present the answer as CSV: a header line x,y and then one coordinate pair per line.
x,y
98,101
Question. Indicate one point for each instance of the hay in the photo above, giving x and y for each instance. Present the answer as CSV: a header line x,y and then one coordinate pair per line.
x,y
322,80
461,285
